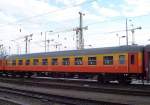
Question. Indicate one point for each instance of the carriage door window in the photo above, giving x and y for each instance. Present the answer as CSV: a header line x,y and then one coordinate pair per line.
x,y
132,59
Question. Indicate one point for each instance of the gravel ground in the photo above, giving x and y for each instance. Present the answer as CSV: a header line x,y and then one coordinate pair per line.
x,y
3,102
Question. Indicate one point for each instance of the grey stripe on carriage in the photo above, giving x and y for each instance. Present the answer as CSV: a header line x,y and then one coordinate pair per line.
x,y
92,51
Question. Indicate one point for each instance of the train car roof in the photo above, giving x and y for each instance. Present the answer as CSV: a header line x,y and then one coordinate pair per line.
x,y
93,51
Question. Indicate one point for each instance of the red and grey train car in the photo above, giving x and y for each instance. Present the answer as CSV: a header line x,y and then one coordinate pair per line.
x,y
111,63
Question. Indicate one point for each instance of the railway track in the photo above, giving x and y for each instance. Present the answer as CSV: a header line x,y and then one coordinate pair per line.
x,y
4,101
61,100
75,94
9,96
141,90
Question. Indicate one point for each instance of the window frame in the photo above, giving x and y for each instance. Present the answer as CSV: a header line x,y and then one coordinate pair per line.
x,y
66,61
9,62
14,63
20,62
78,61
45,62
54,59
27,62
107,60
35,61
92,61
122,61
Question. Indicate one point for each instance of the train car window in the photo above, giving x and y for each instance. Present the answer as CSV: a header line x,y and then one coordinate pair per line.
x,y
121,59
132,59
91,60
13,62
8,62
20,62
44,61
78,61
108,60
28,62
35,61
54,61
66,61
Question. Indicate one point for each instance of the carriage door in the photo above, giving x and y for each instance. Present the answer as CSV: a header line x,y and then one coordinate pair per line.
x,y
133,63
148,66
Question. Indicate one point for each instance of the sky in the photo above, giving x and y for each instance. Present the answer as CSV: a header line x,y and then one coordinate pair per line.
x,y
58,19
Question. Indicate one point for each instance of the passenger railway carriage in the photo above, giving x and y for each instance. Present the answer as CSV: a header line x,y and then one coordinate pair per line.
x,y
112,63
